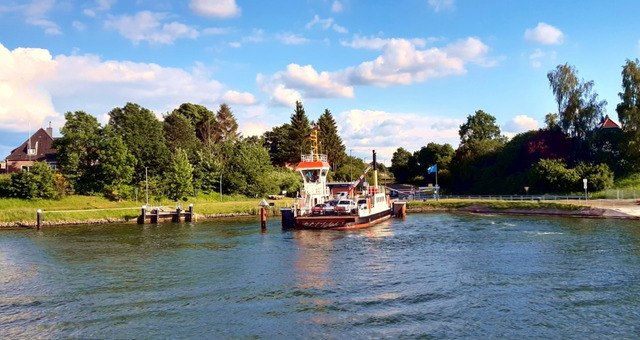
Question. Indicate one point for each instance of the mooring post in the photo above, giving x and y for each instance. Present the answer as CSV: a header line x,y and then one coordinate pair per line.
x,y
177,216
156,216
143,215
189,216
263,218
39,219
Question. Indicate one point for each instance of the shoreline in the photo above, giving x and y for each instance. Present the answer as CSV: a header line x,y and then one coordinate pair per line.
x,y
613,209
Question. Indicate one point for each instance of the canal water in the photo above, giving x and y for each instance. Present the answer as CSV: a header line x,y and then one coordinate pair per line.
x,y
433,275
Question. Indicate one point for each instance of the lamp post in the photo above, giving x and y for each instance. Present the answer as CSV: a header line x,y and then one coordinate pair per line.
x,y
584,184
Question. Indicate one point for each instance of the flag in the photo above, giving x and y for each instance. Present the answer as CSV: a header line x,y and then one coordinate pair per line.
x,y
432,169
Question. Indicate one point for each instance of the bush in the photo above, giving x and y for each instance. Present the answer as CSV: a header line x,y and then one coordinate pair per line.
x,y
5,185
599,177
552,175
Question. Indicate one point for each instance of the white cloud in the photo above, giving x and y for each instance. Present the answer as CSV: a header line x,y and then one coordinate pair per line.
x,y
401,63
100,6
538,56
215,8
363,130
256,36
292,39
518,124
36,13
337,6
544,34
441,5
285,87
78,25
24,101
148,26
36,87
325,24
240,98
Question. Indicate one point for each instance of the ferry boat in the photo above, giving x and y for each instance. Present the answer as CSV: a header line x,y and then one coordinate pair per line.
x,y
373,204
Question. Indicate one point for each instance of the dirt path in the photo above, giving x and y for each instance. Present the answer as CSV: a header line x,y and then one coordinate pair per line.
x,y
626,206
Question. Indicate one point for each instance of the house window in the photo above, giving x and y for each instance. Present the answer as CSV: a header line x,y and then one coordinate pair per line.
x,y
53,165
31,151
26,168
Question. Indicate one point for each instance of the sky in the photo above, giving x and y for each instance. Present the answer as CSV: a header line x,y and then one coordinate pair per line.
x,y
393,73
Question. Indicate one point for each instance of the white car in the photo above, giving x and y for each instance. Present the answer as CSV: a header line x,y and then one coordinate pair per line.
x,y
345,207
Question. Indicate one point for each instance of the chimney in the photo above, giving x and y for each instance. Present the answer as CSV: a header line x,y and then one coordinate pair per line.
x,y
50,130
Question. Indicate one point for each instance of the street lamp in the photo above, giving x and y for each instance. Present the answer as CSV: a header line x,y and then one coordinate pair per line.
x,y
584,184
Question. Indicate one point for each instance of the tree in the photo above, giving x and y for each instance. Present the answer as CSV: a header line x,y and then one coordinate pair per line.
x,y
206,171
276,142
143,134
551,121
579,110
400,165
629,112
247,169
552,175
202,120
226,127
299,131
79,135
479,127
330,142
112,166
179,176
180,134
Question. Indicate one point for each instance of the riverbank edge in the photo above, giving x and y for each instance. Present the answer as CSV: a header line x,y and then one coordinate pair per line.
x,y
572,210
582,212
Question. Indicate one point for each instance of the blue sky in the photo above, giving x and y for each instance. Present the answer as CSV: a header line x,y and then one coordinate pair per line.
x,y
393,73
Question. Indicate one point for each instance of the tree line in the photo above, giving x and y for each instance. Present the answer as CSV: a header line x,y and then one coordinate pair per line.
x,y
554,159
191,151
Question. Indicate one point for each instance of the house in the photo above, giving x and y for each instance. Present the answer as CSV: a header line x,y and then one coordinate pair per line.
x,y
37,148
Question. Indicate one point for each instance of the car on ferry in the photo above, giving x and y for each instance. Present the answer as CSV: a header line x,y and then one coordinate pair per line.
x,y
345,207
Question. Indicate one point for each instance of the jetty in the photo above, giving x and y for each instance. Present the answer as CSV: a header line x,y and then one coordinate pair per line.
x,y
157,214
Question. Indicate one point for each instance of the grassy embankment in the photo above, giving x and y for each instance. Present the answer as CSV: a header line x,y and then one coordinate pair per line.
x,y
457,204
95,209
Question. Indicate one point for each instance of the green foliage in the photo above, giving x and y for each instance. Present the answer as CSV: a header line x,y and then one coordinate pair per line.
x,y
206,171
79,136
599,176
38,182
201,118
579,110
143,134
180,133
480,127
298,142
247,169
629,114
5,185
179,176
276,142
226,127
329,140
552,175
286,180
400,165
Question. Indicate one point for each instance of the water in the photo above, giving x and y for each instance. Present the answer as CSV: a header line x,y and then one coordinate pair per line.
x,y
434,275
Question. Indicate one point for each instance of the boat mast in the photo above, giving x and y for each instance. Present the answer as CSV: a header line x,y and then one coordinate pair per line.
x,y
314,143
375,171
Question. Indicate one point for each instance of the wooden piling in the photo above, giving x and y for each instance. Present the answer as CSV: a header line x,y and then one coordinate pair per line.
x,y
39,219
188,217
263,218
176,218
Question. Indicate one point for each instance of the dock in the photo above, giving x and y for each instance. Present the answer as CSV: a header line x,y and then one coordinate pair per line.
x,y
156,215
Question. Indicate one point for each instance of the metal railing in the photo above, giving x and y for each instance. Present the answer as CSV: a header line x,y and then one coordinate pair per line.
x,y
501,197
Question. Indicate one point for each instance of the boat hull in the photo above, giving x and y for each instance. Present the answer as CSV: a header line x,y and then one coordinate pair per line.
x,y
338,222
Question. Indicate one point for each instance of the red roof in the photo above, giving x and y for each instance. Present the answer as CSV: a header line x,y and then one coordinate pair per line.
x,y
313,165
607,123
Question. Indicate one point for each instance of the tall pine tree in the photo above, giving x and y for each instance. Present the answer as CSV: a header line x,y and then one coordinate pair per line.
x,y
226,128
299,131
330,142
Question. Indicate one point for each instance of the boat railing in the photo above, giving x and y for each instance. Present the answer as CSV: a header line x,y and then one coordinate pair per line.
x,y
314,158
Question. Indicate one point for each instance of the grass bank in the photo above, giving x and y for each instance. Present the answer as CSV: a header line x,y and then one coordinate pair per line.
x,y
94,209
458,204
